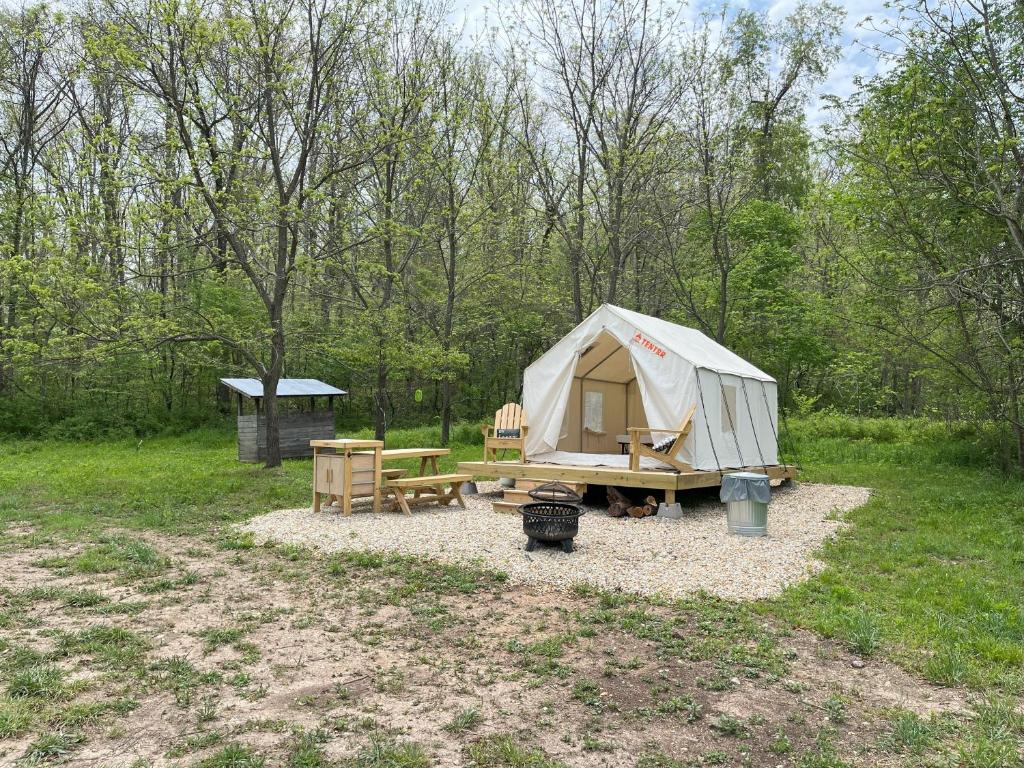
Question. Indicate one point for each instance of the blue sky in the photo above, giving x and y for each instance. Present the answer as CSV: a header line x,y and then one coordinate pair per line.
x,y
856,59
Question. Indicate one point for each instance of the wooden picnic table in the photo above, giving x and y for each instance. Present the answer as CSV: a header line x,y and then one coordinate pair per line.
x,y
425,455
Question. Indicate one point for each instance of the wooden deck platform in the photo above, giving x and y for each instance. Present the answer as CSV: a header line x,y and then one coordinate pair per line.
x,y
666,481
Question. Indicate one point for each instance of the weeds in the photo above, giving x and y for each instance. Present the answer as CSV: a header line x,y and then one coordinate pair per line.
x,y
587,691
131,558
111,646
306,751
233,756
910,733
466,720
53,746
684,706
384,753
728,725
506,752
40,681
835,708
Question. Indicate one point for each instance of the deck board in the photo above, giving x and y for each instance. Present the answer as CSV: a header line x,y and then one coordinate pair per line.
x,y
614,475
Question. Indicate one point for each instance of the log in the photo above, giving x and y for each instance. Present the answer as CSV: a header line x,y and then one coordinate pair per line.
x,y
619,505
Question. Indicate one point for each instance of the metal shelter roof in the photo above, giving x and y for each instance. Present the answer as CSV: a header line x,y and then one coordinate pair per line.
x,y
285,387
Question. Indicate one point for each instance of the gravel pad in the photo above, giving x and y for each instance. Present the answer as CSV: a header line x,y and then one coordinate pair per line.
x,y
673,558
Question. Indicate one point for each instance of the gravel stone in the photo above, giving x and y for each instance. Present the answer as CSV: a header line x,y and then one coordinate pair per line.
x,y
650,556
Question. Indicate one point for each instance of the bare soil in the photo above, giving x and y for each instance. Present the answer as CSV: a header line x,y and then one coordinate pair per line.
x,y
259,645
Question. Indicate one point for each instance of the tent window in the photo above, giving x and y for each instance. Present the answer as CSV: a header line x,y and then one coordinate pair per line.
x,y
593,411
728,408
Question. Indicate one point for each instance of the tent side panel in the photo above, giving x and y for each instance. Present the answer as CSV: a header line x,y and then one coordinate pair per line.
x,y
766,396
736,422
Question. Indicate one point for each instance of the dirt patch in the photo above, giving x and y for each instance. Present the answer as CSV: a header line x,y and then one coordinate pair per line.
x,y
280,650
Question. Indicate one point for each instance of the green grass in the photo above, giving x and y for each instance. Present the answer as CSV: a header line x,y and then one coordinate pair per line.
x,y
911,734
39,681
131,558
178,483
69,598
306,752
932,571
16,715
112,647
384,753
415,574
52,746
466,720
233,756
930,574
507,752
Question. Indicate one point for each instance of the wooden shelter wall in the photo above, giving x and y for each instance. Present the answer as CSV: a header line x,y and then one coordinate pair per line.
x,y
296,430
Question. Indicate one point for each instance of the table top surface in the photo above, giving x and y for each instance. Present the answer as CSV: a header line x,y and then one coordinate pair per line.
x,y
643,439
413,453
346,442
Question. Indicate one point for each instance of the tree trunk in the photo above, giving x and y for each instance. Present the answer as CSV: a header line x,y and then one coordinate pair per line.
x,y
723,306
447,385
270,380
380,399
576,247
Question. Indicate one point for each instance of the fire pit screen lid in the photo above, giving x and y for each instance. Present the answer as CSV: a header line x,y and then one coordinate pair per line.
x,y
555,492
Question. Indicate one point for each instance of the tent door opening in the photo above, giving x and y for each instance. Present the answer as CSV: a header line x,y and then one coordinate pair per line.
x,y
604,399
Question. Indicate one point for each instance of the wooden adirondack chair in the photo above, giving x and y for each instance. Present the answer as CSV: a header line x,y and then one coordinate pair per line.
x,y
668,451
507,432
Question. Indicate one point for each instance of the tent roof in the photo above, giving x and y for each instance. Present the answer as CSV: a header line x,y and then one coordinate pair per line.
x,y
285,387
605,358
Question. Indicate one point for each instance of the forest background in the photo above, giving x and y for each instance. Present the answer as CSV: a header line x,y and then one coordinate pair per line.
x,y
361,192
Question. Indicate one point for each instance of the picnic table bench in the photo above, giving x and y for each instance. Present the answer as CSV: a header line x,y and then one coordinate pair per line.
x,y
427,489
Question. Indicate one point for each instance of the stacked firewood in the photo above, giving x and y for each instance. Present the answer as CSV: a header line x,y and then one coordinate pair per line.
x,y
619,505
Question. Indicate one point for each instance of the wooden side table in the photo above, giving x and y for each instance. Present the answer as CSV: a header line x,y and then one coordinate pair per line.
x,y
349,469
623,441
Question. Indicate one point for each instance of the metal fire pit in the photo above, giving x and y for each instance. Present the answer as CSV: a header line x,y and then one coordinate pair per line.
x,y
553,516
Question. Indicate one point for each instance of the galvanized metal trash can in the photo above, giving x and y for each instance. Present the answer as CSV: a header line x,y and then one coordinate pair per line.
x,y
746,496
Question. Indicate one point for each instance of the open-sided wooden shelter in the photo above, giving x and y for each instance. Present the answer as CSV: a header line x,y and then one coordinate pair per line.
x,y
297,425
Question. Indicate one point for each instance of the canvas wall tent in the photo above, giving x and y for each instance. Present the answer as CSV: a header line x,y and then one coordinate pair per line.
x,y
620,369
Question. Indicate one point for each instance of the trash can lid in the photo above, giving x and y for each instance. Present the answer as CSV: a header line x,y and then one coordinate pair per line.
x,y
739,486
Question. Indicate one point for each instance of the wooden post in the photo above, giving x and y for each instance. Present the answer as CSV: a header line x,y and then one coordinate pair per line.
x,y
316,493
670,495
347,483
377,464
